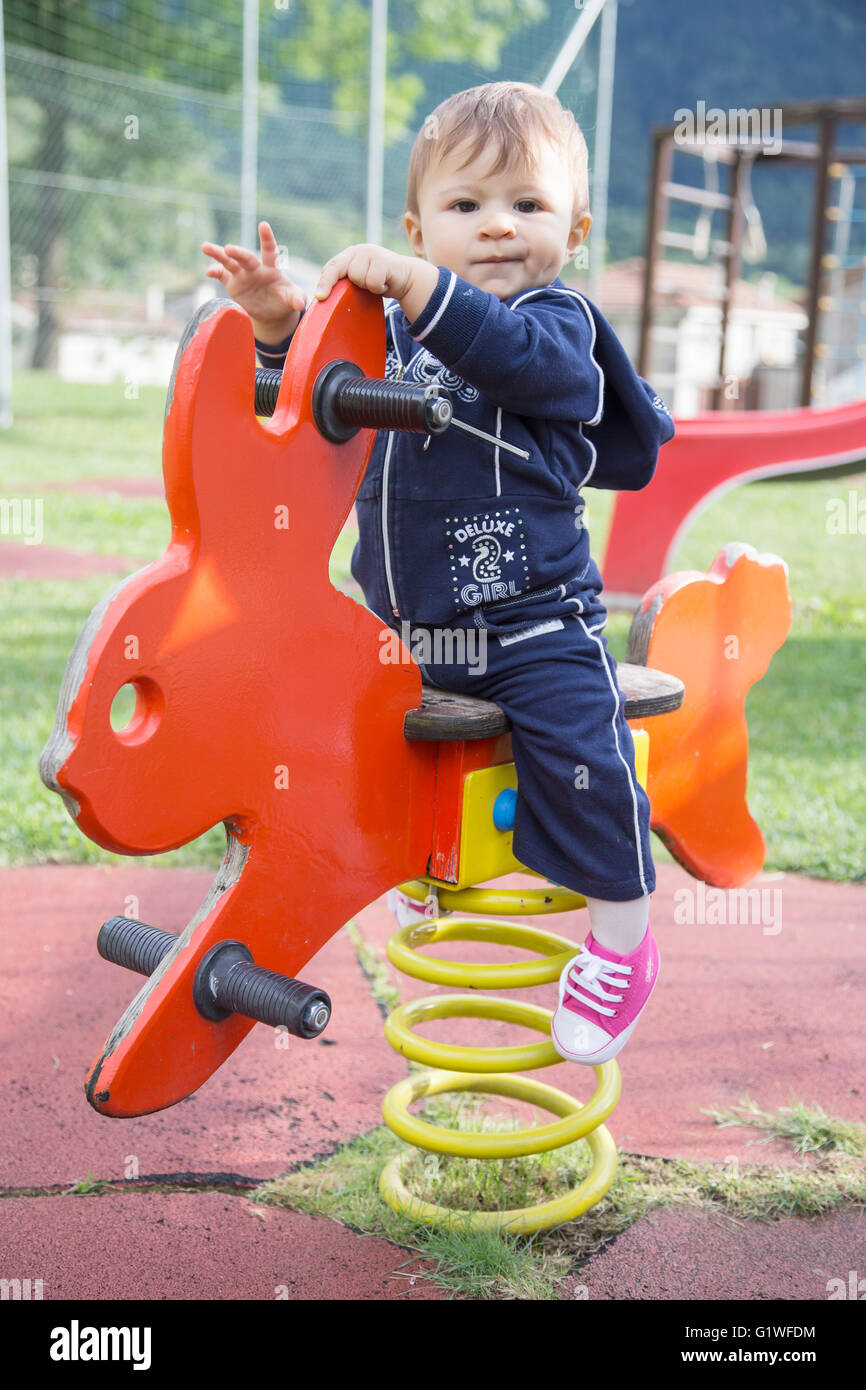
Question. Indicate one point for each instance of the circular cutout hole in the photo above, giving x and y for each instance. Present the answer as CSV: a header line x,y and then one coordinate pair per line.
x,y
136,710
123,707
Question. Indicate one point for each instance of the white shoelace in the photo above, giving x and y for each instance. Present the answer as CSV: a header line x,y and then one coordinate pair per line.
x,y
591,973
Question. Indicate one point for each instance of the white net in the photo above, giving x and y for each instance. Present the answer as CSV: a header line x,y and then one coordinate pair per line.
x,y
125,132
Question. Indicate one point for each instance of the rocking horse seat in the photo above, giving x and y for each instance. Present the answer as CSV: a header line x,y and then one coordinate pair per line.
x,y
446,717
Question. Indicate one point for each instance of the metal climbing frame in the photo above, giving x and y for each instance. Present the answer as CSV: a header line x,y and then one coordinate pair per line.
x,y
742,222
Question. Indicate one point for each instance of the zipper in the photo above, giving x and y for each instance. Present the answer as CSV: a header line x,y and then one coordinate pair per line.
x,y
482,434
386,470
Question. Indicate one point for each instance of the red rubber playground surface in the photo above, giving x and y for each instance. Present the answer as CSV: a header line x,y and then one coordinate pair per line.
x,y
772,1009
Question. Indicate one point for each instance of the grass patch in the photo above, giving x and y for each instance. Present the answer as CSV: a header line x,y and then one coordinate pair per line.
x,y
490,1185
88,1186
498,1265
66,430
490,1264
809,1130
807,779
106,524
472,1264
375,966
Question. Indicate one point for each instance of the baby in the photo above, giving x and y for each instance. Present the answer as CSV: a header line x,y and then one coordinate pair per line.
x,y
482,527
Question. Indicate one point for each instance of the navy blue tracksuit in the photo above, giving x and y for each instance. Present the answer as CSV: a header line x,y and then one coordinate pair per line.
x,y
482,527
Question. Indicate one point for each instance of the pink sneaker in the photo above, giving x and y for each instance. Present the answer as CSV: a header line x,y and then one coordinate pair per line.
x,y
601,998
408,911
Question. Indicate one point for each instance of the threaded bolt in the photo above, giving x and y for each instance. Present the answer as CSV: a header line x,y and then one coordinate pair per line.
x,y
267,389
134,945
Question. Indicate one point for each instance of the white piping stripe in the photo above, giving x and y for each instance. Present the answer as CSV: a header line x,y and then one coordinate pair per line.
x,y
615,692
419,338
586,477
496,455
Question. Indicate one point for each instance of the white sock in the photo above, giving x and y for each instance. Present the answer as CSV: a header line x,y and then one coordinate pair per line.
x,y
619,927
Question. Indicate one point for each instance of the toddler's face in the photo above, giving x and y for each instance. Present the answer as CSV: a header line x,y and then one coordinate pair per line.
x,y
503,232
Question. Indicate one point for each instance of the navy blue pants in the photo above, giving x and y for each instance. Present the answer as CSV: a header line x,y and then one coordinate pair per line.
x,y
582,818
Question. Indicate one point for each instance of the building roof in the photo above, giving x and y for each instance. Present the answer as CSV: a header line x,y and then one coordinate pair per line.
x,y
683,284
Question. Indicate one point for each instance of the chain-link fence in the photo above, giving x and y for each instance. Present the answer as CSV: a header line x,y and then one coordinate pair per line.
x,y
125,154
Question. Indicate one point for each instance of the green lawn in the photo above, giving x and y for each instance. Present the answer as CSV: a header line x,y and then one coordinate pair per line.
x,y
806,786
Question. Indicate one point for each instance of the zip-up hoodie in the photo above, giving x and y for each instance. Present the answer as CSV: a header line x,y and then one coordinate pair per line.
x,y
484,524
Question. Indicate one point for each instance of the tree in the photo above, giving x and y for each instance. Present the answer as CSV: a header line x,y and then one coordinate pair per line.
x,y
198,43
331,43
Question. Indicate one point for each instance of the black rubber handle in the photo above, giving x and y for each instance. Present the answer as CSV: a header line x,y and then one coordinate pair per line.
x,y
134,945
226,981
345,400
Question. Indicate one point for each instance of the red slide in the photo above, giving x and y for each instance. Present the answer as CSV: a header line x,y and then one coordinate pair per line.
x,y
709,454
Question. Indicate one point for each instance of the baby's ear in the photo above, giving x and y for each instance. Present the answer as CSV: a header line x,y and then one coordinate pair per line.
x,y
412,223
579,233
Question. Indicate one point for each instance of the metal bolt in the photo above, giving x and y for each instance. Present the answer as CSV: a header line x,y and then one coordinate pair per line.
x,y
440,412
316,1016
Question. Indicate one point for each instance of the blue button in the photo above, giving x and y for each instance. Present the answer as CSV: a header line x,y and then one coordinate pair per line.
x,y
503,809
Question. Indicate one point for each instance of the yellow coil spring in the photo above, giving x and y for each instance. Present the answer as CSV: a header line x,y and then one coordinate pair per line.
x,y
486,1069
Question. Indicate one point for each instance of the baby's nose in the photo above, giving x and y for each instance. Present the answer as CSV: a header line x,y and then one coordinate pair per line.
x,y
500,223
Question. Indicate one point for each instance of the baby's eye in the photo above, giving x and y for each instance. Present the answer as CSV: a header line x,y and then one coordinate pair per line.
x,y
527,204
465,203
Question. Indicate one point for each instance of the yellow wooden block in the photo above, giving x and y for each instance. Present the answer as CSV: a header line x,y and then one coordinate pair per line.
x,y
486,852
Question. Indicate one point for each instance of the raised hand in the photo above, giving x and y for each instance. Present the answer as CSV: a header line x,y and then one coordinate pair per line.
x,y
272,300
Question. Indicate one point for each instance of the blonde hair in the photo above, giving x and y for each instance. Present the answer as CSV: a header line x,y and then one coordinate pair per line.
x,y
515,116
